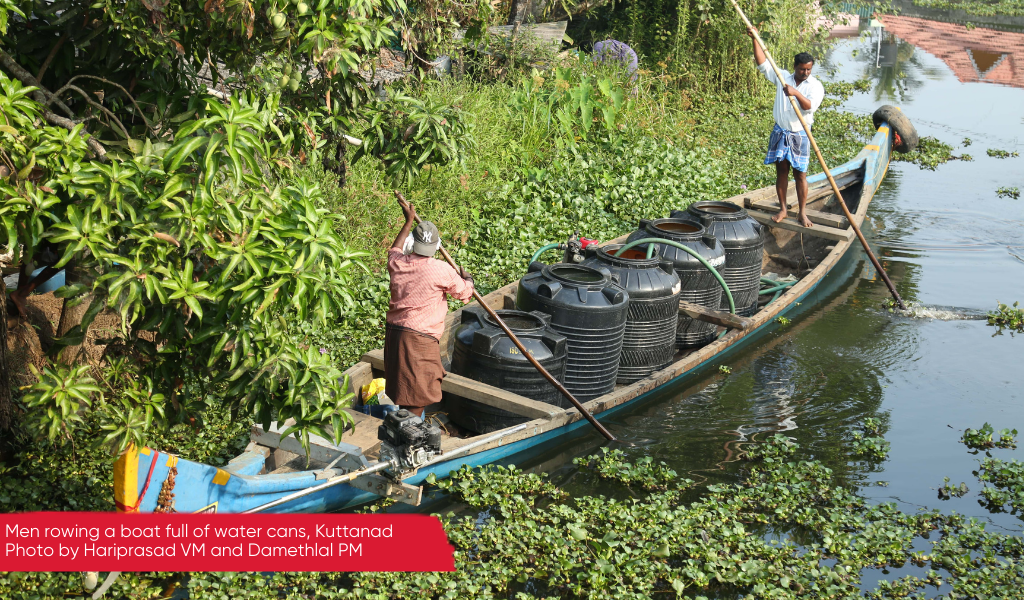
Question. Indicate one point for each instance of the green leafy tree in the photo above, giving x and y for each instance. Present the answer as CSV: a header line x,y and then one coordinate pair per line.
x,y
147,148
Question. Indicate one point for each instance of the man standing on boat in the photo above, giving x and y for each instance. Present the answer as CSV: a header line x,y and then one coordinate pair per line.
x,y
789,145
415,318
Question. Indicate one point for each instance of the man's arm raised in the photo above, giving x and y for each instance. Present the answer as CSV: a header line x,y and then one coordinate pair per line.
x,y
410,221
759,57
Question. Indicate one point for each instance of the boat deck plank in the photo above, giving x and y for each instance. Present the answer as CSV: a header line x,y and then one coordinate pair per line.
x,y
483,393
790,224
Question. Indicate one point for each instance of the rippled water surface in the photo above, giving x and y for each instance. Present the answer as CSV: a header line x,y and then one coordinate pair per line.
x,y
953,249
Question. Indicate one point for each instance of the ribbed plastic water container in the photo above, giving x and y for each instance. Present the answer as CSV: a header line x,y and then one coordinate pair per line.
x,y
743,239
653,287
698,284
590,310
483,352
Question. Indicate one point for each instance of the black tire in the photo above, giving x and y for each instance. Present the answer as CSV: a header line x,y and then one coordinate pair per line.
x,y
478,417
899,123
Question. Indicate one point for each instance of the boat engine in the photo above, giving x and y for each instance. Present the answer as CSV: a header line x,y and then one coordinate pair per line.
x,y
575,248
407,441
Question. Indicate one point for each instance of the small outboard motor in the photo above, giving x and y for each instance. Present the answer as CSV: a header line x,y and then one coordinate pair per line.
x,y
408,441
575,248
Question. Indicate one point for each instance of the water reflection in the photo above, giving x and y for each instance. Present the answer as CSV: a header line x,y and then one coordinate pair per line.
x,y
973,54
893,65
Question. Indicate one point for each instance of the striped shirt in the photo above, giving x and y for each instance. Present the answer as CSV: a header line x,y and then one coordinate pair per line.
x,y
418,288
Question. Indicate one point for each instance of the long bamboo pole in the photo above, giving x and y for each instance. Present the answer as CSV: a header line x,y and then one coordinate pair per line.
x,y
533,361
821,159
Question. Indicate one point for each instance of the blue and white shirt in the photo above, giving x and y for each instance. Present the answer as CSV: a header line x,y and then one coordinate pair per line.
x,y
811,88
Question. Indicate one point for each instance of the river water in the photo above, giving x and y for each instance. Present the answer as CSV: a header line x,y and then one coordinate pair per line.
x,y
950,245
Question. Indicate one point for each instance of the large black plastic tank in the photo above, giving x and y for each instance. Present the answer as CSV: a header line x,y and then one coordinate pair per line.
x,y
699,285
590,310
653,287
743,239
484,353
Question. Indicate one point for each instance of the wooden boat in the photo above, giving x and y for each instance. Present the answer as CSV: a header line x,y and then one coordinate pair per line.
x,y
271,467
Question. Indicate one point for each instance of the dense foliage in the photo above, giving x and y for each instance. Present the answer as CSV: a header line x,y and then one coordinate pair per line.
x,y
702,43
149,151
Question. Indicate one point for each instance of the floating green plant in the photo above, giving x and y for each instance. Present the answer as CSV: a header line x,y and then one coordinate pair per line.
x,y
1008,192
995,153
1007,479
783,321
981,439
930,153
949,490
611,464
724,369
1011,317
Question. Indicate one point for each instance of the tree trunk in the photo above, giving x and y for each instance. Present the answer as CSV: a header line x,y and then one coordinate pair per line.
x,y
69,318
518,12
6,402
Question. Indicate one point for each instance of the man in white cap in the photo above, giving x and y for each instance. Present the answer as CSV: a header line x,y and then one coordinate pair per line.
x,y
415,318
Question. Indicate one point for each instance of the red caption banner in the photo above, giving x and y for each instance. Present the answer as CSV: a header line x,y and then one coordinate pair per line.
x,y
69,541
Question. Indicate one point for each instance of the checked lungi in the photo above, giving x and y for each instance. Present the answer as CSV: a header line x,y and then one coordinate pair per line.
x,y
793,146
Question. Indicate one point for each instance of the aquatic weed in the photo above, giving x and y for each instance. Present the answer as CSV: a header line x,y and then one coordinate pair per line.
x,y
930,153
948,491
724,369
996,153
981,439
783,321
1007,479
1008,192
611,464
866,442
1011,317
778,446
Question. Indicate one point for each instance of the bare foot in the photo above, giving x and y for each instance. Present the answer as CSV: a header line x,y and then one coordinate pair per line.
x,y
805,221
782,214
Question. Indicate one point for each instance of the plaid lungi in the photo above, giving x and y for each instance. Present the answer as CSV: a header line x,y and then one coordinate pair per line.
x,y
789,145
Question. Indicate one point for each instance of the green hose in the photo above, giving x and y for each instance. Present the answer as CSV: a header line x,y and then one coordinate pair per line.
x,y
542,250
777,288
688,250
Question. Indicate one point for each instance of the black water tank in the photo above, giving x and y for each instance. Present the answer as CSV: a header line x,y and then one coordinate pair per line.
x,y
484,353
590,311
653,287
743,239
699,285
